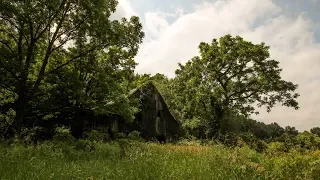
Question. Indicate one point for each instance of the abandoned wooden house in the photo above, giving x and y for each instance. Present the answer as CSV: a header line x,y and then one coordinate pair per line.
x,y
154,120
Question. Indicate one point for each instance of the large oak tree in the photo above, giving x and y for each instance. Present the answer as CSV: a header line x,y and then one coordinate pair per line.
x,y
231,75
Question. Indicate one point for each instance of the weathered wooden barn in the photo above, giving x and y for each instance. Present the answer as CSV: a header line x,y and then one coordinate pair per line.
x,y
153,121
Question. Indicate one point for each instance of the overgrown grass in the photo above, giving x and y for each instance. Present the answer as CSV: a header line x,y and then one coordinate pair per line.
x,y
132,160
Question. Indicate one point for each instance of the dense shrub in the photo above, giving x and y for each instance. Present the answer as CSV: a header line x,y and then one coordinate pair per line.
x,y
6,122
260,146
33,135
95,135
85,145
276,148
308,140
316,131
63,134
135,135
121,135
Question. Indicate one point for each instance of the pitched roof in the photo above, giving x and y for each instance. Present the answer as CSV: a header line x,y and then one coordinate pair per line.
x,y
133,91
142,85
150,82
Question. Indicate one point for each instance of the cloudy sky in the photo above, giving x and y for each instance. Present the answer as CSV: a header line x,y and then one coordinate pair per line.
x,y
174,29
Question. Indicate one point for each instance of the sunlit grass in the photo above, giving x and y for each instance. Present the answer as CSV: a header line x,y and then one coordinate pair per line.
x,y
152,161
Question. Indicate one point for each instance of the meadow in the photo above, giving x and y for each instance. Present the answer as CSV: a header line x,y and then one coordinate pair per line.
x,y
126,159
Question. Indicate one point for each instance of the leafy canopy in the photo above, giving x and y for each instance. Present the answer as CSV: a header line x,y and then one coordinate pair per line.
x,y
45,41
239,74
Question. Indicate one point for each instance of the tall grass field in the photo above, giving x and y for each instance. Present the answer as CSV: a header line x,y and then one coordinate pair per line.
x,y
135,160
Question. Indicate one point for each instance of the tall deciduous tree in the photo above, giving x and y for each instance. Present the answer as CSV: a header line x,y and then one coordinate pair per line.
x,y
291,131
39,37
232,74
316,131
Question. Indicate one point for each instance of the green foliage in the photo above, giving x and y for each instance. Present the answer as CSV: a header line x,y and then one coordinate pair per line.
x,y
35,134
193,127
289,141
315,130
308,140
276,147
6,121
121,135
97,136
134,135
291,131
85,145
63,134
261,146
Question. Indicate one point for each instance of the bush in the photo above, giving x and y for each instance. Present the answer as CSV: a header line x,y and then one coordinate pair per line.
x,y
308,140
134,135
32,135
260,146
94,135
63,134
6,122
276,147
85,145
121,135
228,139
316,131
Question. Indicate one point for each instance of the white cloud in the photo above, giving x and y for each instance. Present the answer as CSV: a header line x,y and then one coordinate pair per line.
x,y
291,40
178,42
155,24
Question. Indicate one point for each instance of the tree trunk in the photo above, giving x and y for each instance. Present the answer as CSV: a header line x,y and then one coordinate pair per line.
x,y
216,124
20,112
22,86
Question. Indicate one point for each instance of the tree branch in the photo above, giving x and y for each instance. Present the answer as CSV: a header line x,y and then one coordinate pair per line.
x,y
71,60
7,88
51,18
246,90
69,34
6,44
48,52
10,34
10,21
7,69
